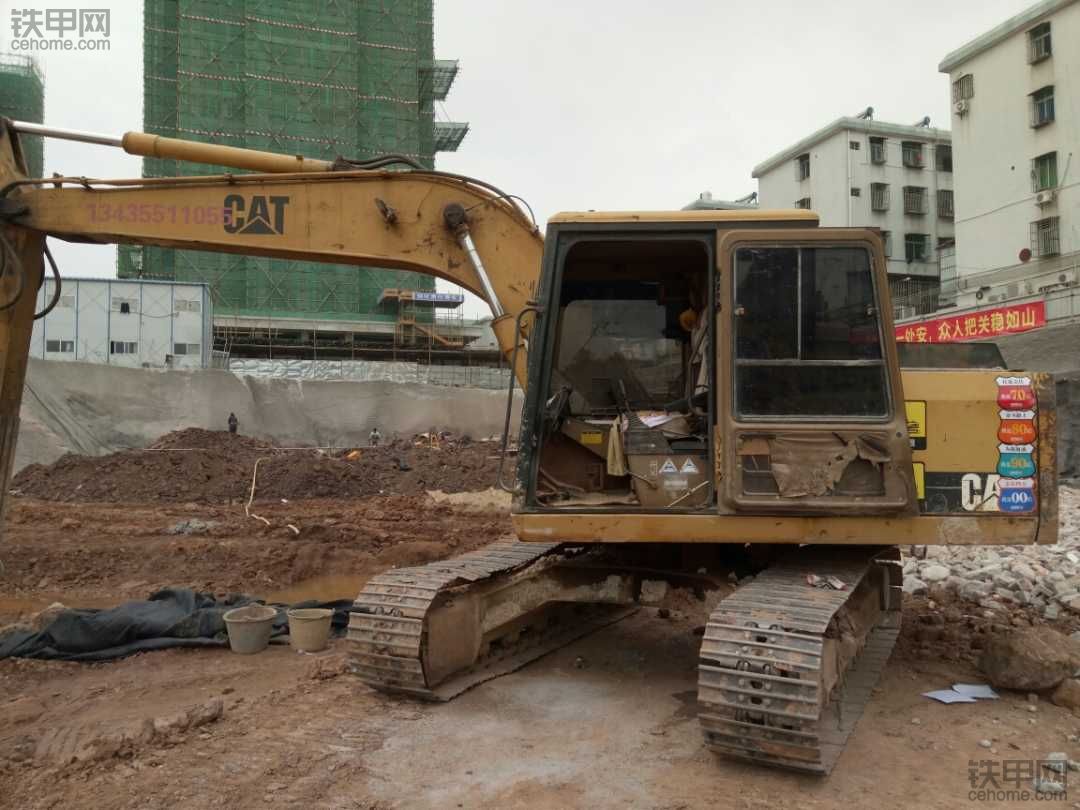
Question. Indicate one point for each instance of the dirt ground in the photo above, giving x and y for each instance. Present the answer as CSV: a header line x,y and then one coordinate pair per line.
x,y
608,722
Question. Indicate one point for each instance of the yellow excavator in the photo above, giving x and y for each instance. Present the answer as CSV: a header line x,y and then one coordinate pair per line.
x,y
700,387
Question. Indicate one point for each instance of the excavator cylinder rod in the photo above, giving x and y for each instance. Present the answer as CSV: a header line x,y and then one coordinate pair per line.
x,y
143,144
30,128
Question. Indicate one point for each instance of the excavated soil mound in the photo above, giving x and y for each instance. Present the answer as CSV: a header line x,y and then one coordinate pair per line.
x,y
196,465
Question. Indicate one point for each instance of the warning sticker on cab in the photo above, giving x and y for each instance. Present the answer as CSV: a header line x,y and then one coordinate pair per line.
x,y
668,467
592,437
915,411
689,467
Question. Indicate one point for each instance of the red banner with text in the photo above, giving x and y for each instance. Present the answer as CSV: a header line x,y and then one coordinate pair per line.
x,y
981,325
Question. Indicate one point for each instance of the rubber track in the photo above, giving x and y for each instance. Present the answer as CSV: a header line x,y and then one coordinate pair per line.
x,y
761,657
387,636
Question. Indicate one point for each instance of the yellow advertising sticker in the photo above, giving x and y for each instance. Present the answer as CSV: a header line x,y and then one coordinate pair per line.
x,y
592,437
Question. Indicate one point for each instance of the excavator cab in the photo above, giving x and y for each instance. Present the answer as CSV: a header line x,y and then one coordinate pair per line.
x,y
735,366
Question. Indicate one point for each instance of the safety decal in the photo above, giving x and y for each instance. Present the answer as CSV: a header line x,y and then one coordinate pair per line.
x,y
1016,495
1016,460
689,467
915,413
668,467
1015,393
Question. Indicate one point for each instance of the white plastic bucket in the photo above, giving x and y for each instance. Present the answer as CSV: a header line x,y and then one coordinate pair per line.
x,y
309,628
249,628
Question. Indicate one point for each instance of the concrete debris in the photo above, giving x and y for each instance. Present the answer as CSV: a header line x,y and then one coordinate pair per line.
x,y
936,573
1056,761
1048,786
985,744
191,526
914,586
1043,578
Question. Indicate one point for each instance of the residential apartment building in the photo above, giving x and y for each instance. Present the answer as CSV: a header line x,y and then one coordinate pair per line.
x,y
866,173
1016,136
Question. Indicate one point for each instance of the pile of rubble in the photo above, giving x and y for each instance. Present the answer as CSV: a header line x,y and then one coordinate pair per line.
x,y
1040,578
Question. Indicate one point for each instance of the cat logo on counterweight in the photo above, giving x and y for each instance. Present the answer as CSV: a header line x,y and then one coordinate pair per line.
x,y
257,215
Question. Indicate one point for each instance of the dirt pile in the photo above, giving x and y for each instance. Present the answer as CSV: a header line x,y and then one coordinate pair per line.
x,y
204,466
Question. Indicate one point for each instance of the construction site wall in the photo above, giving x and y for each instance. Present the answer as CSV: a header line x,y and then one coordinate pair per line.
x,y
323,79
94,409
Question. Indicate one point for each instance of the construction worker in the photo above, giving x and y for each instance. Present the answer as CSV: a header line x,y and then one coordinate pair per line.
x,y
374,437
232,422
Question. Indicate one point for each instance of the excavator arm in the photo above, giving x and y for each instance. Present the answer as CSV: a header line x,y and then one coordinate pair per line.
x,y
288,207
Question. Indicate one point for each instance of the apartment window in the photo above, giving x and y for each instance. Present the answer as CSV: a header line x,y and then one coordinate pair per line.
x,y
916,247
802,167
123,347
182,305
912,152
803,203
66,302
877,150
1044,172
854,145
915,200
945,203
963,88
124,305
886,237
187,348
943,157
60,346
856,191
879,196
1045,237
1042,106
1039,43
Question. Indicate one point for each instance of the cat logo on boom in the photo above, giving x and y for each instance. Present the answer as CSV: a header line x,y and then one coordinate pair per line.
x,y
258,215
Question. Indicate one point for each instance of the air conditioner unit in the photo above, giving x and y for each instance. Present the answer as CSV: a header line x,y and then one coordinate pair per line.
x,y
960,107
1045,197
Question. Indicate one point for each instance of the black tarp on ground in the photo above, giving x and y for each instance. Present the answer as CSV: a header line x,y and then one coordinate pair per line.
x,y
175,617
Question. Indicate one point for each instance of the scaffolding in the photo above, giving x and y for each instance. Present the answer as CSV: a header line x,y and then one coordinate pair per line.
x,y
426,319
22,97
327,78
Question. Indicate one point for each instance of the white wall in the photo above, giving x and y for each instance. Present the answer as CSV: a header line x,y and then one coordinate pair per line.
x,y
89,323
836,168
994,143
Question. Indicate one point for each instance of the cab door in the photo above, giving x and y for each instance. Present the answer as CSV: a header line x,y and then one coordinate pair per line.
x,y
812,408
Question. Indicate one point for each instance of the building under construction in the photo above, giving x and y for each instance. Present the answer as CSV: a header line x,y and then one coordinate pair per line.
x,y
327,78
22,97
